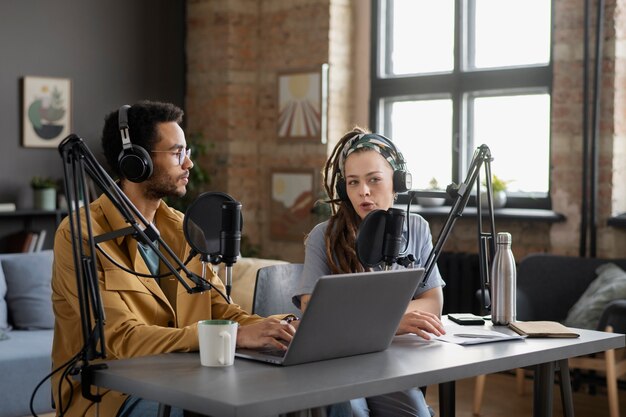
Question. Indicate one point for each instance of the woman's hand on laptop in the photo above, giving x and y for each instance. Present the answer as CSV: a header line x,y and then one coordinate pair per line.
x,y
269,333
422,323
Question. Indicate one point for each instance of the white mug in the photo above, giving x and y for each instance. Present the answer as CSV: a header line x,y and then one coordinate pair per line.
x,y
217,339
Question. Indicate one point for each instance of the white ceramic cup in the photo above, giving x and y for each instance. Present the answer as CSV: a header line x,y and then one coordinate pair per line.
x,y
217,339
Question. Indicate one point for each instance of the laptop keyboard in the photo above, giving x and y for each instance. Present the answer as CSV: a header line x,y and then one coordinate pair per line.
x,y
279,353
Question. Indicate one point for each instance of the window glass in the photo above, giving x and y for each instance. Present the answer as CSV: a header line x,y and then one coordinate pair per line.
x,y
512,32
422,130
516,129
422,36
434,98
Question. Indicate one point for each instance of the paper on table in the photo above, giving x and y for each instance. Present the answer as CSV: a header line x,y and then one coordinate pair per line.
x,y
473,335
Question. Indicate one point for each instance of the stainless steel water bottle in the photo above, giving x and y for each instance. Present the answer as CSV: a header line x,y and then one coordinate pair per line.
x,y
503,282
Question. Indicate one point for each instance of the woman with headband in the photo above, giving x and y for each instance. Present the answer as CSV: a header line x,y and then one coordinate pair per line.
x,y
365,172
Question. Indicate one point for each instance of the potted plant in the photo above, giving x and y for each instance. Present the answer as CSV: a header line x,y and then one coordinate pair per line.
x,y
499,187
44,192
433,185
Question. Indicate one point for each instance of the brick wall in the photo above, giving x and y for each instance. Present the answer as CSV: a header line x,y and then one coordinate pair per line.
x,y
236,50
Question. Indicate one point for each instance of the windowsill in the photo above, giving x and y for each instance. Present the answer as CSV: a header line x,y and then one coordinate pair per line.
x,y
537,215
617,221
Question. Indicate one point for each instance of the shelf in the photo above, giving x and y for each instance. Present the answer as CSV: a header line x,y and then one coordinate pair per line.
x,y
535,215
32,213
25,220
29,214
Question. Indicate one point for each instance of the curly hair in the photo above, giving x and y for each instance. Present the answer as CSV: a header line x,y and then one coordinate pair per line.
x,y
143,118
340,236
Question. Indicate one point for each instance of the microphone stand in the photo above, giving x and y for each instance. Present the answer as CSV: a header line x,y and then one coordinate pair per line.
x,y
78,161
461,194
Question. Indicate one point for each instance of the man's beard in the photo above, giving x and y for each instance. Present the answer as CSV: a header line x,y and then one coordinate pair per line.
x,y
163,186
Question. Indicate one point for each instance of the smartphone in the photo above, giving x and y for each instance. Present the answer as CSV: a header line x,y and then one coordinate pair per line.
x,y
466,318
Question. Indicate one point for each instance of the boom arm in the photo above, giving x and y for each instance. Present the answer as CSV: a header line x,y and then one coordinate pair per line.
x,y
461,194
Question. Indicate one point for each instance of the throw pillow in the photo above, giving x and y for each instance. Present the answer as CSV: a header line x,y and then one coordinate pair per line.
x,y
28,290
4,323
610,285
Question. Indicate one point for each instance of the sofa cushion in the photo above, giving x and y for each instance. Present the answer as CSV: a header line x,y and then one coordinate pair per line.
x,y
608,286
4,324
244,279
28,290
24,362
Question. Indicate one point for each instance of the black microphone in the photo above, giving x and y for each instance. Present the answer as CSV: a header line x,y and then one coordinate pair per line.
x,y
393,235
379,237
230,236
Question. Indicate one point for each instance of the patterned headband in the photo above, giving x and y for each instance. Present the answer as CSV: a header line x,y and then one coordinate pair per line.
x,y
371,141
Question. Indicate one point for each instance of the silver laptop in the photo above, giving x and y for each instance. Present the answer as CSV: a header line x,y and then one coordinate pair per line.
x,y
348,314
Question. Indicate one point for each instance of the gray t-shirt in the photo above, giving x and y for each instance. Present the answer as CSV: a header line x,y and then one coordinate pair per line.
x,y
316,264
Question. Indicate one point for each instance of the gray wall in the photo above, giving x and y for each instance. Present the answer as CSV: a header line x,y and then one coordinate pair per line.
x,y
114,52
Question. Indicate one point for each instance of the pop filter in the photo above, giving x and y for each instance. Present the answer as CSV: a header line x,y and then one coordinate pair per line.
x,y
370,238
203,224
379,237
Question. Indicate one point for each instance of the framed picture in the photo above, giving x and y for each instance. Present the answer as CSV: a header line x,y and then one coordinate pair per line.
x,y
292,198
302,105
46,111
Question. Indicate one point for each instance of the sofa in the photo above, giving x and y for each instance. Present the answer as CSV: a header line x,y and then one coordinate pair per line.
x,y
27,321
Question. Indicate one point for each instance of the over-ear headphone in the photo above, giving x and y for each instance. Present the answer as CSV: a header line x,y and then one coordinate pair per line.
x,y
134,161
402,179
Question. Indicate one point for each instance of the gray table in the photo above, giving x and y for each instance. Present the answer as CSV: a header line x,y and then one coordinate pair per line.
x,y
254,389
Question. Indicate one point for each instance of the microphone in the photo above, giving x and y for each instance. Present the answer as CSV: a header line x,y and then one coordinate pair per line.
x,y
230,238
393,235
379,237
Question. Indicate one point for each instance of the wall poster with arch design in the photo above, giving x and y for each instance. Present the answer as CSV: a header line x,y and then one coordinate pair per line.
x,y
46,111
302,105
292,198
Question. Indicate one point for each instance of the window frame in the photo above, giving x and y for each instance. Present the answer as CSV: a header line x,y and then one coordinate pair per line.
x,y
459,85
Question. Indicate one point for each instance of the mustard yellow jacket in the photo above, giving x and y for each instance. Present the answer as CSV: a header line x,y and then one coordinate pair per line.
x,y
139,318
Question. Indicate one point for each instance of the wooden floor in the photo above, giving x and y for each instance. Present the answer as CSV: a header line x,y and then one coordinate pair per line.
x,y
501,399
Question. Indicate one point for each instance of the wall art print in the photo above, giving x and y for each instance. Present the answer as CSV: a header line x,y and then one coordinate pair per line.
x,y
302,105
292,198
46,111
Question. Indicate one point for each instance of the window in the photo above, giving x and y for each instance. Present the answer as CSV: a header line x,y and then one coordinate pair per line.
x,y
450,75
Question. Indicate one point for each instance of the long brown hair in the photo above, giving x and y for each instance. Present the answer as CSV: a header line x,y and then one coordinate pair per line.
x,y
340,236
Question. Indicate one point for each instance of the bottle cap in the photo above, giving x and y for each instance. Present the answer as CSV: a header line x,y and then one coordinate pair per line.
x,y
504,238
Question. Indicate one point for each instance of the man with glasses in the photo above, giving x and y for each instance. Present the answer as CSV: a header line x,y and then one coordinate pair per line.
x,y
143,316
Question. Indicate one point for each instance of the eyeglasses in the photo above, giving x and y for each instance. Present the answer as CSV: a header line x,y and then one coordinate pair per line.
x,y
180,154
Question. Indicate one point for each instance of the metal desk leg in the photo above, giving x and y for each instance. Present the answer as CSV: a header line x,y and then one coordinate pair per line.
x,y
566,388
542,390
446,399
164,410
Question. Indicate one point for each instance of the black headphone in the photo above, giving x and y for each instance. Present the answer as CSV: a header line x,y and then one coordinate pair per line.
x,y
134,162
402,179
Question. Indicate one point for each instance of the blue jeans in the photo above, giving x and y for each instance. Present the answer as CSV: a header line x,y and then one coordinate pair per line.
x,y
408,403
339,410
138,407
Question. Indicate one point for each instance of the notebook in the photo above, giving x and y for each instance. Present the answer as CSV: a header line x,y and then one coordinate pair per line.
x,y
542,329
348,314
